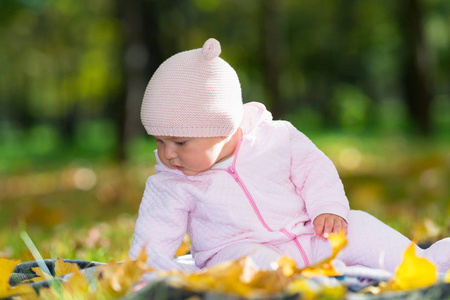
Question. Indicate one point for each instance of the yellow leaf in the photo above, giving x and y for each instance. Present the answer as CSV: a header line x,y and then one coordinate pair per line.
x,y
116,278
184,247
226,277
287,266
325,268
414,272
25,291
338,242
63,268
231,277
76,285
141,261
447,277
240,277
113,280
302,286
269,282
49,293
6,268
40,275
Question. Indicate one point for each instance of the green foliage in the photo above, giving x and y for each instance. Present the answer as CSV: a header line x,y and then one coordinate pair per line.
x,y
43,146
65,59
59,55
99,138
352,107
441,113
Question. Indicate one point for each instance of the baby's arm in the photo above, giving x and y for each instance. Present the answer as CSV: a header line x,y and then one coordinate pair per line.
x,y
318,184
161,224
325,224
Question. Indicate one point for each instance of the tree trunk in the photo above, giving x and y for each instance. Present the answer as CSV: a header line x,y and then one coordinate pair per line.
x,y
140,59
272,55
416,82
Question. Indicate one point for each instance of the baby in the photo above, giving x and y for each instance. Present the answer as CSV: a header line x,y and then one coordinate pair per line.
x,y
242,184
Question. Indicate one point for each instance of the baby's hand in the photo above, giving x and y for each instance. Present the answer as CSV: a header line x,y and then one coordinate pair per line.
x,y
325,224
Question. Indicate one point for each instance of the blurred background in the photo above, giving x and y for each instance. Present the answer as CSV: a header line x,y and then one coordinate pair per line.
x,y
367,81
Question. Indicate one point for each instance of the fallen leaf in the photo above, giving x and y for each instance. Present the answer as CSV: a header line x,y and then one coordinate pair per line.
x,y
185,246
77,283
269,282
64,268
240,277
303,287
287,266
40,275
112,281
243,278
77,287
117,278
6,268
226,277
325,267
414,272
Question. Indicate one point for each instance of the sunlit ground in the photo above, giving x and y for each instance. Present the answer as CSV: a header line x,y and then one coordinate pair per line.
x,y
85,209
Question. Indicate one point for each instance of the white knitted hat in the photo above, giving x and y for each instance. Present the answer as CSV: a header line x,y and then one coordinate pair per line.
x,y
193,94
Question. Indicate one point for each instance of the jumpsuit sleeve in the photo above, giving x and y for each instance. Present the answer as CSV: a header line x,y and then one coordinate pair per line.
x,y
316,178
161,223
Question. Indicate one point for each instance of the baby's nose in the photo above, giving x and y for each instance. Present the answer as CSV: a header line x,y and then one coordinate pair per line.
x,y
169,153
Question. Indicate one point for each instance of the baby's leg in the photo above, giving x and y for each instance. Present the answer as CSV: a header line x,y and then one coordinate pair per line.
x,y
439,254
262,255
373,244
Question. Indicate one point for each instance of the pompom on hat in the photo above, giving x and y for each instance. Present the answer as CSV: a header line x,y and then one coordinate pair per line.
x,y
193,94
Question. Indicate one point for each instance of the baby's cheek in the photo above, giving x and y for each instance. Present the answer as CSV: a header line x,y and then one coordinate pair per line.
x,y
164,161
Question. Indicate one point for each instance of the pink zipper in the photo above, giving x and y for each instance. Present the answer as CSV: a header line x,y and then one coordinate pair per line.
x,y
235,175
232,170
297,243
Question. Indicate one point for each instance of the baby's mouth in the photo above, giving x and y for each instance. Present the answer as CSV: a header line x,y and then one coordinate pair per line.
x,y
178,167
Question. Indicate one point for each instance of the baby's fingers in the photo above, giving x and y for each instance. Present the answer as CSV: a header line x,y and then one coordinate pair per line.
x,y
339,226
318,226
328,227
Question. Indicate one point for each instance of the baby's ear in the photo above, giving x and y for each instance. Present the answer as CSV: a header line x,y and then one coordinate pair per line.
x,y
211,49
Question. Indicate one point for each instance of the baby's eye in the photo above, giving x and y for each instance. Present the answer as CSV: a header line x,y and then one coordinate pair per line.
x,y
180,143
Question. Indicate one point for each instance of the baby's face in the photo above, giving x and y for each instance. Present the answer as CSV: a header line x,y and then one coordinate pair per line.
x,y
193,155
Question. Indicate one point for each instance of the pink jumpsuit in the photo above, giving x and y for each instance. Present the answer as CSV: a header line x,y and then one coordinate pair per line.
x,y
262,203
